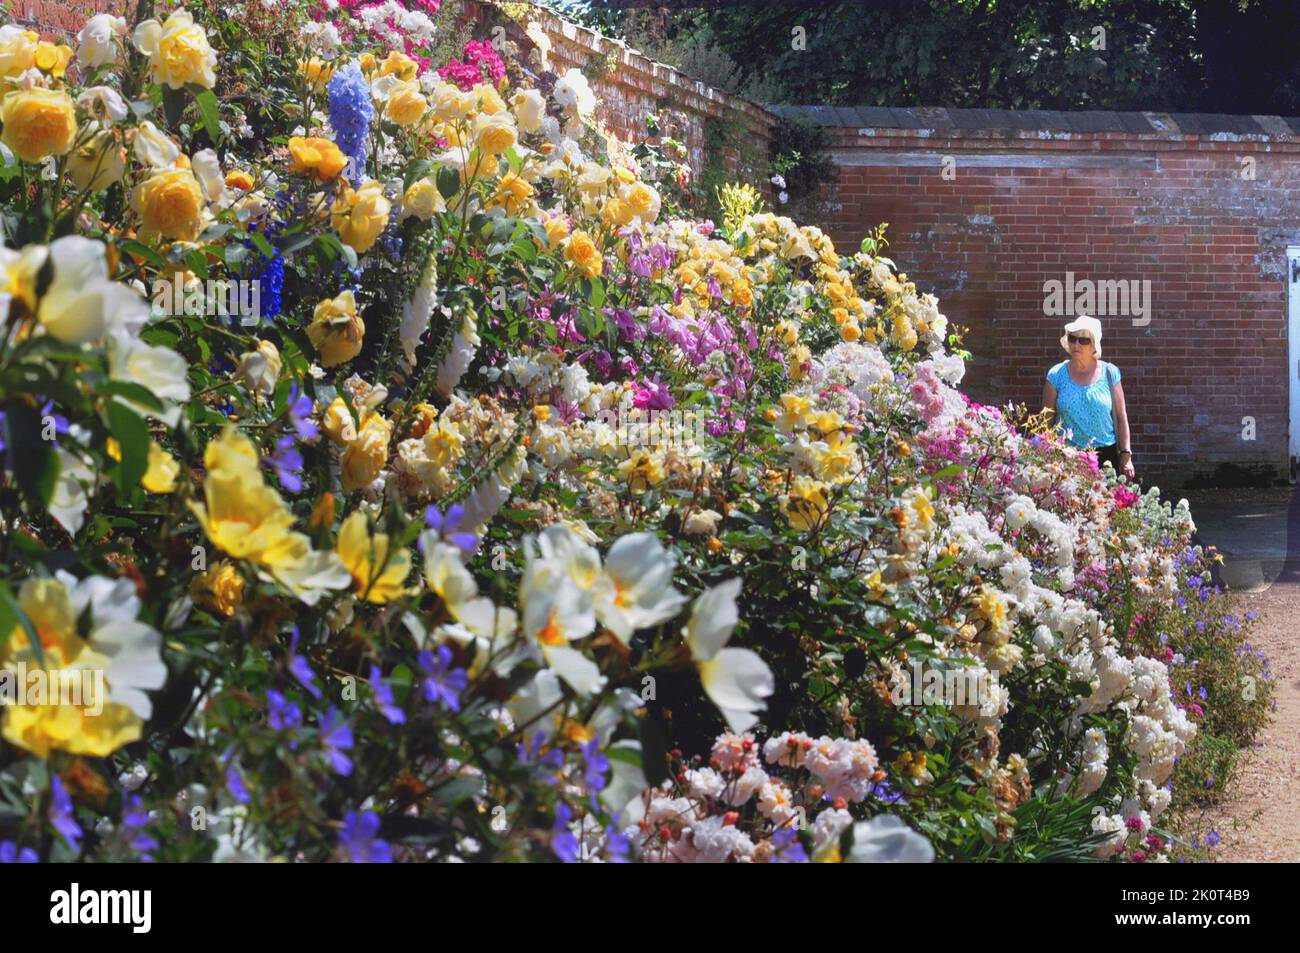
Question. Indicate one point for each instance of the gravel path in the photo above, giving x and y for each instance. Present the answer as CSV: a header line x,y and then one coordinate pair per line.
x,y
1260,820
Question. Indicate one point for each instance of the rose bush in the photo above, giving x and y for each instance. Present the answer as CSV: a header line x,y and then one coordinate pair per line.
x,y
526,516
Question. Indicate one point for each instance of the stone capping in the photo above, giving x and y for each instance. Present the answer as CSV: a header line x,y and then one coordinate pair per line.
x,y
654,76
1039,123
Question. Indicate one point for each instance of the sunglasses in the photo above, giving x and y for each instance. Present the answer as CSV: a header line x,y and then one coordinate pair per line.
x,y
1078,340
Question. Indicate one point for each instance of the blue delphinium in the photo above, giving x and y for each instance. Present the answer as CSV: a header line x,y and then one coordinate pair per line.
x,y
350,113
358,840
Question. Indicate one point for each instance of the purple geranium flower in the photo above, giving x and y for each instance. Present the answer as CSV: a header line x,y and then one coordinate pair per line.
x,y
235,785
300,408
283,715
447,526
786,847
335,738
300,669
357,838
287,464
595,765
444,683
563,841
134,818
384,698
9,854
61,815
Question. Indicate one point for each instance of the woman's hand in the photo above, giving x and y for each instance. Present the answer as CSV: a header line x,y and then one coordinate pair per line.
x,y
1128,467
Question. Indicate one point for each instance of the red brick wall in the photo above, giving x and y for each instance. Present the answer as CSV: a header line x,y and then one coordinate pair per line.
x,y
1171,209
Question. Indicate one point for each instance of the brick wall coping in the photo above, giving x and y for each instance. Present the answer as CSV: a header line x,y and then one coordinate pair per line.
x,y
1043,124
657,77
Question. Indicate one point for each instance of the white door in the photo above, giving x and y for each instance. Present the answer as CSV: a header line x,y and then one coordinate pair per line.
x,y
1293,352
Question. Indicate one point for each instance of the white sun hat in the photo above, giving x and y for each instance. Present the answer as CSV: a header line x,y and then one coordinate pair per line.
x,y
1083,323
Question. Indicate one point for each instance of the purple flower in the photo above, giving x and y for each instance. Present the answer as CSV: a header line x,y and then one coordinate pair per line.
x,y
235,785
528,753
287,464
134,818
1212,839
300,408
444,683
357,838
9,854
335,738
563,841
61,815
446,526
300,669
384,698
787,848
283,715
595,765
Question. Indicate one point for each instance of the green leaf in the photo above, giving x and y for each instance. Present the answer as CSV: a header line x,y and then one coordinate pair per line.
x,y
36,467
133,434
132,247
597,292
208,111
136,393
173,105
12,614
448,181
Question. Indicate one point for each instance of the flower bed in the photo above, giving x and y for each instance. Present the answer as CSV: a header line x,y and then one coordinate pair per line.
x,y
405,476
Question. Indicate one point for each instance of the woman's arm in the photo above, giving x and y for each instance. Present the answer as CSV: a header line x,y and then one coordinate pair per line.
x,y
1049,397
1120,412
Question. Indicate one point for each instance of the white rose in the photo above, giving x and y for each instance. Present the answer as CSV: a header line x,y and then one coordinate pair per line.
x,y
97,41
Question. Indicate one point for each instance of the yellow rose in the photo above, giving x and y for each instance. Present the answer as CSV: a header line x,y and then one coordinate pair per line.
x,y
316,72
582,251
163,469
315,157
643,200
513,194
368,63
220,589
336,330
377,572
17,50
178,51
337,423
365,457
171,204
557,229
405,105
38,123
616,212
805,504
361,215
423,200
399,65
495,133
53,59
489,100
450,102
850,331
97,164
239,179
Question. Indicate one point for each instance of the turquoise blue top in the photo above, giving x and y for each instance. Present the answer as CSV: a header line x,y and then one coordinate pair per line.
x,y
1085,410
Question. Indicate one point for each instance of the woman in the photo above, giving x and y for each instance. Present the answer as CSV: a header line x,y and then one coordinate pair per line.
x,y
1087,397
